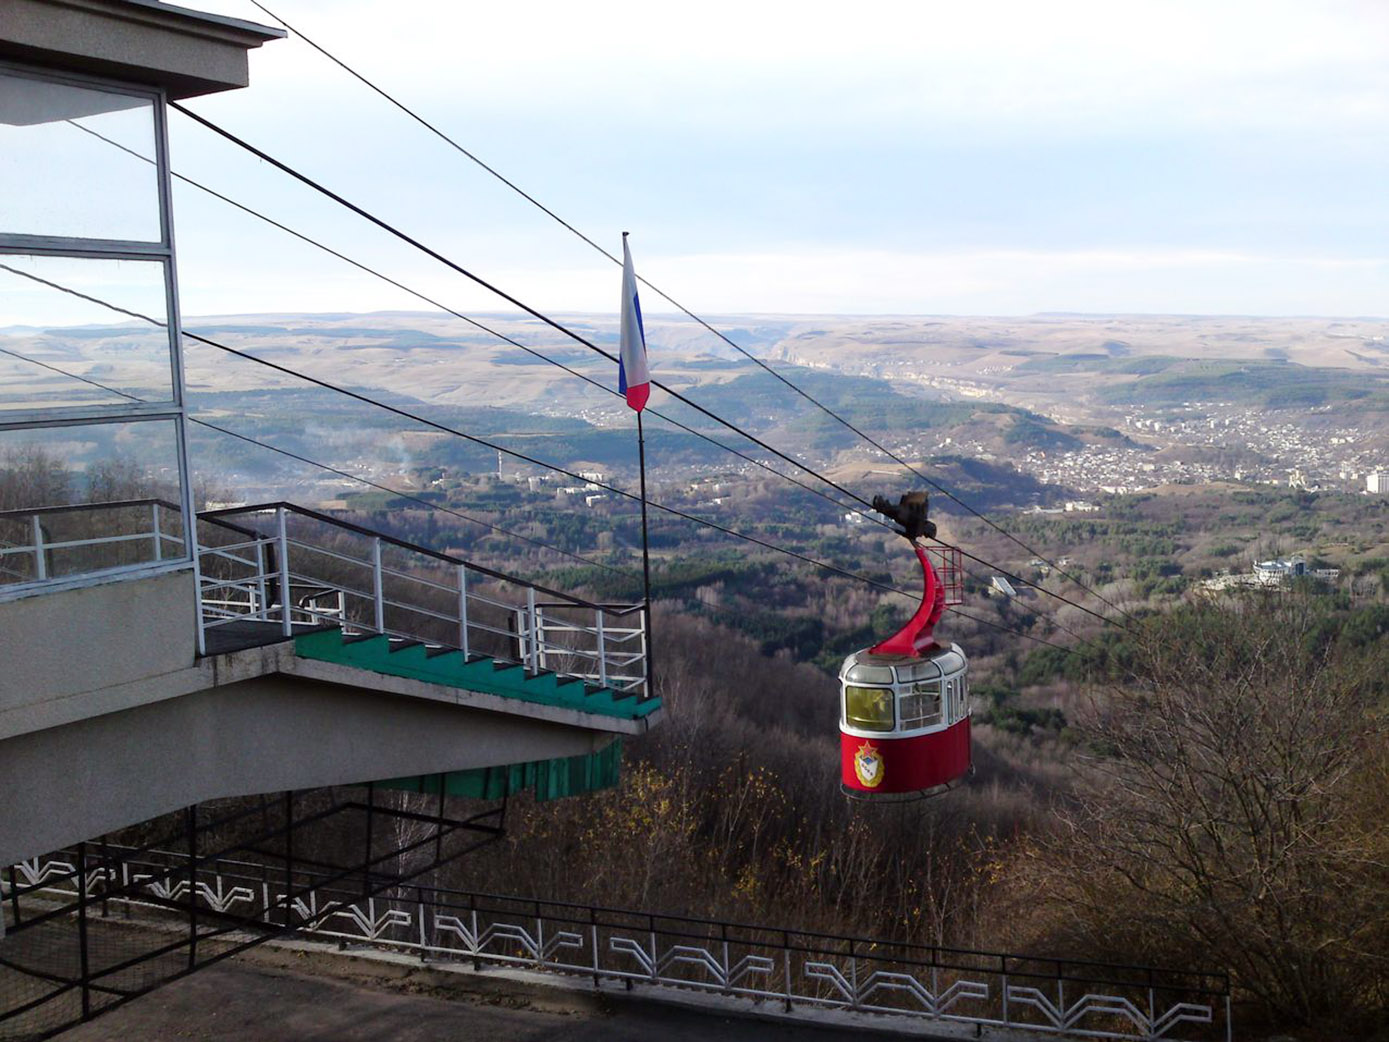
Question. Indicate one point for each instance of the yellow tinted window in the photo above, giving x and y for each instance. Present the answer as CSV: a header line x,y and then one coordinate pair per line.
x,y
868,708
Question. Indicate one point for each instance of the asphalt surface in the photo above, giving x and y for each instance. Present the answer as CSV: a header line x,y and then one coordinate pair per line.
x,y
273,995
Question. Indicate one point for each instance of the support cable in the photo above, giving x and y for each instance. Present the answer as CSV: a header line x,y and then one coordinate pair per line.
x,y
886,587
872,516
326,467
479,280
407,496
605,387
446,429
412,114
386,226
869,515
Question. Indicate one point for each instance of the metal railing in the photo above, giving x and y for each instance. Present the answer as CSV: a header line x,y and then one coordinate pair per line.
x,y
279,563
296,568
948,562
43,544
794,969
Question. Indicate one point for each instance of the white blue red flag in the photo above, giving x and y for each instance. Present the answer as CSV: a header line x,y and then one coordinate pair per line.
x,y
633,378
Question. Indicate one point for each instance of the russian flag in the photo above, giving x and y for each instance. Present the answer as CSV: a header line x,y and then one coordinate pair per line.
x,y
633,378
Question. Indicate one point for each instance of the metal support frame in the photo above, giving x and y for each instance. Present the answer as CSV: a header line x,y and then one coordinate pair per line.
x,y
46,896
158,250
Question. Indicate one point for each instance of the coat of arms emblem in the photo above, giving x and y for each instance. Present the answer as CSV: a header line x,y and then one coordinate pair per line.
x,y
868,765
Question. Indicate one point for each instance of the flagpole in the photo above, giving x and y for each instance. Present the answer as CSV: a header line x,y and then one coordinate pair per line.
x,y
645,558
634,381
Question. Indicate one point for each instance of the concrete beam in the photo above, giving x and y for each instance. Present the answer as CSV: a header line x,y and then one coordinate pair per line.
x,y
136,41
66,784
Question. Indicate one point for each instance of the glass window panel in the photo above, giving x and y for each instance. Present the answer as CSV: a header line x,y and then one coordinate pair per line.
x,y
57,487
920,707
58,177
868,708
58,350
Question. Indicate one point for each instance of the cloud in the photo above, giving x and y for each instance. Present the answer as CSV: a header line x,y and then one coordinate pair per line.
x,y
819,281
1074,63
1254,130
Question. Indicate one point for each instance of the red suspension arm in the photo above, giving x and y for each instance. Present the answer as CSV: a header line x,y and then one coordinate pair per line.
x,y
918,634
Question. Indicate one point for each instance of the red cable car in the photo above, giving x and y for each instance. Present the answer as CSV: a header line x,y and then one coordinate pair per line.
x,y
904,703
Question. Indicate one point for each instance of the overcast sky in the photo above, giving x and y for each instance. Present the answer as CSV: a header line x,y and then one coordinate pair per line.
x,y
939,158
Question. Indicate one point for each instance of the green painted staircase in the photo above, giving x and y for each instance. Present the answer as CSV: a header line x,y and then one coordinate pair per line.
x,y
547,779
378,653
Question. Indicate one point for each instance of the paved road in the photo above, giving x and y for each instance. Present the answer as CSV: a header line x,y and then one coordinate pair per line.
x,y
273,995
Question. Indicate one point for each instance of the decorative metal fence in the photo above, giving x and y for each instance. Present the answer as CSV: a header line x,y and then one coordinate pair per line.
x,y
795,970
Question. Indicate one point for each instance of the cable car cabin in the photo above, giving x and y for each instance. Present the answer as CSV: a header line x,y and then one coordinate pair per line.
x,y
904,703
904,722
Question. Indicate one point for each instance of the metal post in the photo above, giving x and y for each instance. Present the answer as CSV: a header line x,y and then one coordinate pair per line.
x,y
424,932
282,551
366,860
645,548
727,965
82,930
463,610
786,965
14,895
40,565
262,604
646,686
105,877
289,857
541,659
377,586
477,937
158,537
853,977
531,655
593,939
655,958
602,651
1003,973
539,939
191,823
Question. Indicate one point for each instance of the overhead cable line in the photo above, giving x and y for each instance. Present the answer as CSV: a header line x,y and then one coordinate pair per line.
x,y
510,533
386,226
445,428
886,587
605,387
412,114
540,355
324,466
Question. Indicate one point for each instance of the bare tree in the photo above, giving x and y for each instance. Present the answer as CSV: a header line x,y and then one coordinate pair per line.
x,y
1232,808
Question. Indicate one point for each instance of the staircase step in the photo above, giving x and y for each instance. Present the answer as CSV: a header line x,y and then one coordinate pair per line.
x,y
447,666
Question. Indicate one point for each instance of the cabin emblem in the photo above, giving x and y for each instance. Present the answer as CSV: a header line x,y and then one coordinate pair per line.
x,y
868,765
